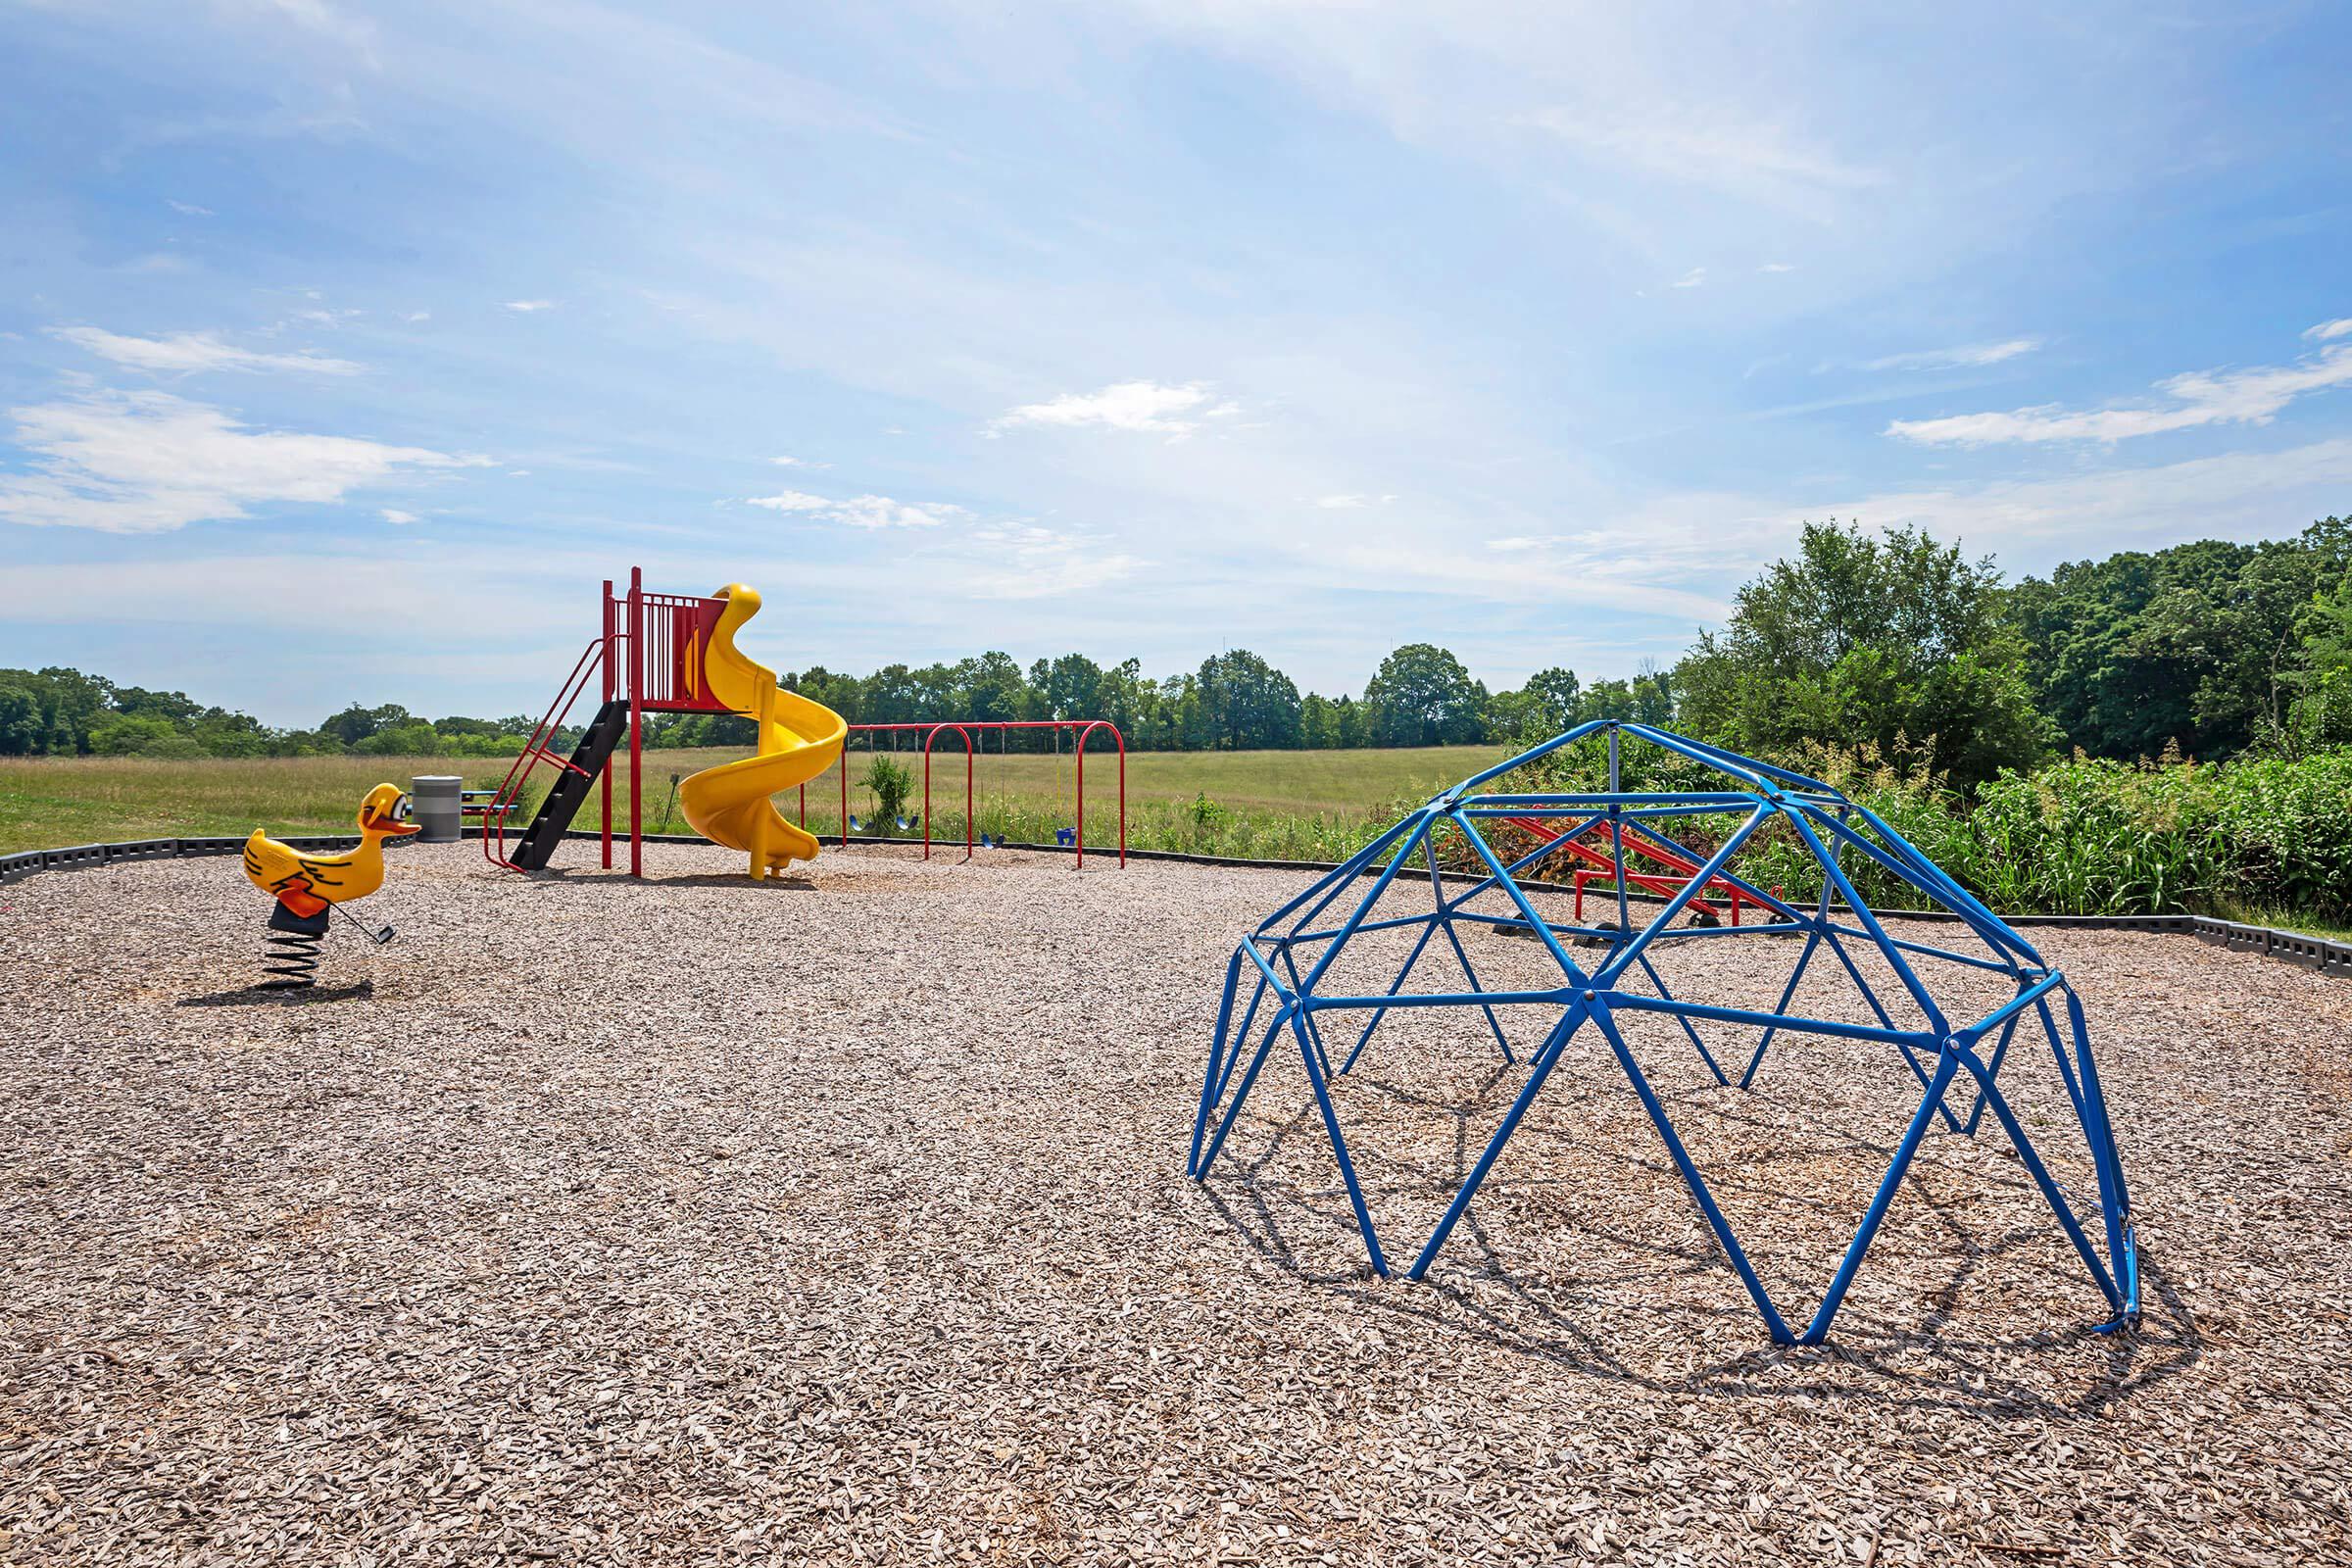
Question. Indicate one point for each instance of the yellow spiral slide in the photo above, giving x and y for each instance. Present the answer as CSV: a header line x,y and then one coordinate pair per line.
x,y
798,739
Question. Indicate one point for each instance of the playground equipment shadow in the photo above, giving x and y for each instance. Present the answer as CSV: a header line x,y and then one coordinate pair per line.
x,y
654,1222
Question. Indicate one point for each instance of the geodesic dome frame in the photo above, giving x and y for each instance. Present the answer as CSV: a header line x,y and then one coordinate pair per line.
x,y
1286,958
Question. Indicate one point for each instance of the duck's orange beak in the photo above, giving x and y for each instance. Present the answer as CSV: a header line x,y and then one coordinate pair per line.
x,y
391,824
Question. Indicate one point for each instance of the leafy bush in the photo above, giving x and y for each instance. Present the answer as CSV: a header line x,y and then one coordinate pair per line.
x,y
890,783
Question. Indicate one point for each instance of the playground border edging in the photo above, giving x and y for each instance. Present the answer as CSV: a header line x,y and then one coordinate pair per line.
x,y
2316,954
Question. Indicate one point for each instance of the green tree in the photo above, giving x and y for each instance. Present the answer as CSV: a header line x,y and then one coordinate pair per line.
x,y
21,725
1895,641
1247,704
1422,696
2321,714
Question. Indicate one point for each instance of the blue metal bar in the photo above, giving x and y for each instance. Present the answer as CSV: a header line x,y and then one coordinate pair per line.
x,y
1568,965
1729,761
2041,1179
1923,875
1444,915
1216,1052
1659,980
2097,1131
1233,1111
1338,1147
1691,1179
2011,1008
1248,1019
1623,1000
2066,1070
1314,1033
1609,971
1430,998
1910,1056
1818,1330
2000,1050
1786,995
1569,737
1894,958
1750,890
1547,1056
1346,872
1428,930
2008,933
1602,799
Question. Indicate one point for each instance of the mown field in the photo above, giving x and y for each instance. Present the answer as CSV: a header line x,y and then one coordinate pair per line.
x,y
1287,804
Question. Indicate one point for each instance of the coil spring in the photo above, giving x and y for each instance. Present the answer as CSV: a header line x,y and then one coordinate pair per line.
x,y
291,962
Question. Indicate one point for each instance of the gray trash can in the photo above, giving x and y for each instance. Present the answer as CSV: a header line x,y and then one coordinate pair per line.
x,y
437,806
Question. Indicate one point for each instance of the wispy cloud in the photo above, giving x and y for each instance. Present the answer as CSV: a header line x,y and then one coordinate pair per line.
x,y
1756,161
2198,398
187,209
396,517
1693,278
1775,266
865,512
2342,327
1026,562
150,462
526,306
798,462
1144,406
192,353
1351,503
1964,357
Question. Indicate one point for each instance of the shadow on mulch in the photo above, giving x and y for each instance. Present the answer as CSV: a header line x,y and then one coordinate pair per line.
x,y
1925,1364
301,997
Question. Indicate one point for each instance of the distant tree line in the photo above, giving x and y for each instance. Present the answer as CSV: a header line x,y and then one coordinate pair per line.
x,y
1892,641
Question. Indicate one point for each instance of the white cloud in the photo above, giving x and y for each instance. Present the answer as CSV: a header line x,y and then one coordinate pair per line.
x,y
2237,495
2200,398
1775,266
1751,159
1968,355
1148,406
525,306
414,316
149,463
1691,279
397,517
187,209
865,512
2342,327
193,353
1351,503
798,462
1021,561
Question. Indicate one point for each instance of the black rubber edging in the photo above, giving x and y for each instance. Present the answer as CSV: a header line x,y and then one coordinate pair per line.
x,y
2316,954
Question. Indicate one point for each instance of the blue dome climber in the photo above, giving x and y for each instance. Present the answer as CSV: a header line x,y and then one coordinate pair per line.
x,y
1602,968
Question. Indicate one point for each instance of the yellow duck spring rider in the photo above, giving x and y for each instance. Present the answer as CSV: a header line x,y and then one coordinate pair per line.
x,y
308,886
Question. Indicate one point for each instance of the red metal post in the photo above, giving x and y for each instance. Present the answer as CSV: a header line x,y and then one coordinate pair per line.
x,y
1084,735
605,782
636,738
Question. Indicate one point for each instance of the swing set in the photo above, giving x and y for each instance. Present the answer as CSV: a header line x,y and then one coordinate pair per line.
x,y
974,734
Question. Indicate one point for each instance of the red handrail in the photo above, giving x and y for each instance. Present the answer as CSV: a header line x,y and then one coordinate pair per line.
x,y
510,789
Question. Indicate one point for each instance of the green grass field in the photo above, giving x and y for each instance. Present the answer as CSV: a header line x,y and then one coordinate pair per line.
x,y
1273,803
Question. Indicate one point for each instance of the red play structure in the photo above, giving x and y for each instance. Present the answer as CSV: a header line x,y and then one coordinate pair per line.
x,y
647,657
1601,867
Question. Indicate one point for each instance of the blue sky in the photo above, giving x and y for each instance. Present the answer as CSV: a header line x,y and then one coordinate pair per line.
x,y
343,349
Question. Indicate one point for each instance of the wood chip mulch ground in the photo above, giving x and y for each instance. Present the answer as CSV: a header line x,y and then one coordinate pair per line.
x,y
844,1219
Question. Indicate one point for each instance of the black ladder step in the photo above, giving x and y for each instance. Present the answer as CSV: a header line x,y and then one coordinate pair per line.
x,y
563,796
